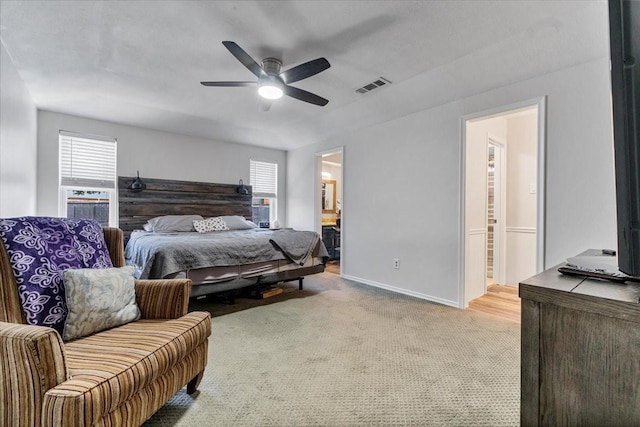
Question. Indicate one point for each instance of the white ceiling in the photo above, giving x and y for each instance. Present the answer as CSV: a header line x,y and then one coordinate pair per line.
x,y
140,62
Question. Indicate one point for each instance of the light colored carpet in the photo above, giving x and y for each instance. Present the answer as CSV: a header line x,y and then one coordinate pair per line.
x,y
344,354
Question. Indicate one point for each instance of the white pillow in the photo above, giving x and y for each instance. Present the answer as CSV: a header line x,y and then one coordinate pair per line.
x,y
237,222
210,224
169,223
98,299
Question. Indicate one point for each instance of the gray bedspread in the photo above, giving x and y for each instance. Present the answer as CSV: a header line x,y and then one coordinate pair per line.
x,y
158,255
297,245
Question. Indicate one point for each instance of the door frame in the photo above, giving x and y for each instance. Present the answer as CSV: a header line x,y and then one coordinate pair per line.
x,y
540,103
499,194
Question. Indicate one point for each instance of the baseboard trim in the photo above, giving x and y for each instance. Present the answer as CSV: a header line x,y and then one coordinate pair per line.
x,y
401,291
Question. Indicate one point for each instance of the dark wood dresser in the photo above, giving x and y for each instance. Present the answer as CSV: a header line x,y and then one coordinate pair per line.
x,y
580,351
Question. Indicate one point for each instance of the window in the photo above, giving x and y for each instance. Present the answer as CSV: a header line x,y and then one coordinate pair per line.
x,y
88,178
264,183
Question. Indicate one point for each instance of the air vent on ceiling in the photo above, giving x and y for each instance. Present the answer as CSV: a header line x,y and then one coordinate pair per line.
x,y
373,85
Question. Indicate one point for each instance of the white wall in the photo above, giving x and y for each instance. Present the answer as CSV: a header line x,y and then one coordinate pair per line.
x,y
400,188
402,183
155,154
18,143
521,200
580,199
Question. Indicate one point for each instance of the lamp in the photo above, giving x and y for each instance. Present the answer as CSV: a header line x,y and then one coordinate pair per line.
x,y
270,89
242,189
137,184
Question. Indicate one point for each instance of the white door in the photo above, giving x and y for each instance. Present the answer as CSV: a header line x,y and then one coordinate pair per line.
x,y
496,210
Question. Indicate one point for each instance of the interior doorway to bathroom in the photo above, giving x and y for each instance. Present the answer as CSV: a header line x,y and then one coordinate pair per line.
x,y
331,206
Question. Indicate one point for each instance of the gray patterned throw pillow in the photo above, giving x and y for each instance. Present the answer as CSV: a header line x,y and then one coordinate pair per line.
x,y
98,299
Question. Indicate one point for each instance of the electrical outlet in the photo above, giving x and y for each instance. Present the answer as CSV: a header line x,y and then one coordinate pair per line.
x,y
396,263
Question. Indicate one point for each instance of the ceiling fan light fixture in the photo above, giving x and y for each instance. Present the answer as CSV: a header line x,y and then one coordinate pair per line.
x,y
272,83
270,90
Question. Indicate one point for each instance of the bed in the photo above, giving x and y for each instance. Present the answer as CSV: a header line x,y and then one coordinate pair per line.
x,y
215,261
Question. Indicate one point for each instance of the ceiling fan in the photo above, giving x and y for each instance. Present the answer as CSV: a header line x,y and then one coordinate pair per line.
x,y
273,83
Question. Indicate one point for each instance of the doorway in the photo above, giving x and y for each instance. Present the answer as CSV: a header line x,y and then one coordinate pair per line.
x,y
503,198
496,195
330,206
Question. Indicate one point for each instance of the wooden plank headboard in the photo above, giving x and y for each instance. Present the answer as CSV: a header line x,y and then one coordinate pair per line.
x,y
170,197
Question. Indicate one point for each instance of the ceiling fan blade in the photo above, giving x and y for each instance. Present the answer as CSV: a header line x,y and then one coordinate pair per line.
x,y
305,96
263,105
244,58
305,70
228,84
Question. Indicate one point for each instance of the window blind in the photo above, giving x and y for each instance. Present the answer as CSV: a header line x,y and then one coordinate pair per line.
x,y
264,178
87,162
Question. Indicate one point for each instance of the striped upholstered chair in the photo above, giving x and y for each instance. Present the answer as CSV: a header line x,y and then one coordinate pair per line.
x,y
116,377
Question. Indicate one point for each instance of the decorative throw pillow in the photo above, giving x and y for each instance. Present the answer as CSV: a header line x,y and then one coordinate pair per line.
x,y
170,223
210,224
98,299
39,249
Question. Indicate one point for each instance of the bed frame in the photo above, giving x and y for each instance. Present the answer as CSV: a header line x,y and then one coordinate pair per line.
x,y
171,197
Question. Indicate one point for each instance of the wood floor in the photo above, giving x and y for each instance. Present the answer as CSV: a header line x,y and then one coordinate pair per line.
x,y
499,301
332,267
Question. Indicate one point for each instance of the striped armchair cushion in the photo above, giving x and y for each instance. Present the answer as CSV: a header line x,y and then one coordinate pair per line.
x,y
108,368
